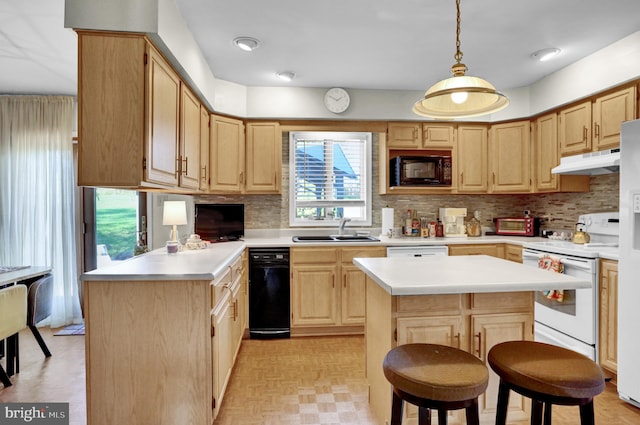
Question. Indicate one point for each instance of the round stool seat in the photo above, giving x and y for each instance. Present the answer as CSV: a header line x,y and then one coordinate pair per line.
x,y
547,369
435,372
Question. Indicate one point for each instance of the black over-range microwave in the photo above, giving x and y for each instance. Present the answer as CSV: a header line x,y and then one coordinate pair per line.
x,y
420,171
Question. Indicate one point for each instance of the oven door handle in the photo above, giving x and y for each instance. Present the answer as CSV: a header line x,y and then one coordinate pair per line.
x,y
584,265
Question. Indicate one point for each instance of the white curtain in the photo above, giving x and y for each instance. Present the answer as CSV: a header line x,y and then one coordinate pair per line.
x,y
37,190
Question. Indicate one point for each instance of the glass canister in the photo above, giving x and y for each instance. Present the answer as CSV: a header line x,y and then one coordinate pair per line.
x,y
474,227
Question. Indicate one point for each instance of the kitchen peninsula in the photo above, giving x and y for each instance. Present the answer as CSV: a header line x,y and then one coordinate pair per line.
x,y
162,333
469,302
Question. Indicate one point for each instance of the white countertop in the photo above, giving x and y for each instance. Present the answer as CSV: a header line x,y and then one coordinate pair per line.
x,y
199,264
461,274
286,240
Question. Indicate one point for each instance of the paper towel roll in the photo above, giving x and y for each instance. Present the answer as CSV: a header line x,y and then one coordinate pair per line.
x,y
387,222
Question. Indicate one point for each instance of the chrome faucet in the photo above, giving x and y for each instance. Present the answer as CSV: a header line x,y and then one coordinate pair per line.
x,y
343,222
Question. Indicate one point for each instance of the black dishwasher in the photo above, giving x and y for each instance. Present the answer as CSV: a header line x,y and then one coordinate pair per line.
x,y
269,299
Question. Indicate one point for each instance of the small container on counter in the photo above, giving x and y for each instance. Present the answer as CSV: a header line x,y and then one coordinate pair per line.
x,y
172,247
439,229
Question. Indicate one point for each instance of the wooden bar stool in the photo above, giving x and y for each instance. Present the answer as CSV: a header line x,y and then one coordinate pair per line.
x,y
548,375
434,377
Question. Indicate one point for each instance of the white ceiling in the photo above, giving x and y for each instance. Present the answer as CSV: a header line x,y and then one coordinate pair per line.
x,y
364,44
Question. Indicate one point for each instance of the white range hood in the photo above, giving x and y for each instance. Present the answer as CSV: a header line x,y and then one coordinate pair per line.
x,y
591,164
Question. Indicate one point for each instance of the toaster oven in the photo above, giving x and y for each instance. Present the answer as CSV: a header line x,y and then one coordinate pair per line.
x,y
520,226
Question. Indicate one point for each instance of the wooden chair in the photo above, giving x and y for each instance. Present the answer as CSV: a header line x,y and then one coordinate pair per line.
x,y
435,377
548,375
13,319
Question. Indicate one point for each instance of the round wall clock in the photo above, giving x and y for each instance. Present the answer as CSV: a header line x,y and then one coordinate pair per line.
x,y
336,100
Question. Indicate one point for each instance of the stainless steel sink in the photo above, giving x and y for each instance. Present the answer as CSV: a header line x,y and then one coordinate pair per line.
x,y
335,238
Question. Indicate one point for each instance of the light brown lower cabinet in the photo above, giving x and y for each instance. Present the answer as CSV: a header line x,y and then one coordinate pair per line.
x,y
609,315
161,351
494,250
327,290
471,322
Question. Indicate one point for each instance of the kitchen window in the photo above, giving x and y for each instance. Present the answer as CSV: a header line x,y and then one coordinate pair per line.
x,y
330,178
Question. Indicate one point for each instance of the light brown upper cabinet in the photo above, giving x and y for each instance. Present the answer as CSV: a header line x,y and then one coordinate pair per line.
x,y
163,114
546,153
438,136
226,155
139,125
546,156
473,159
510,157
404,135
263,158
575,129
204,149
189,159
609,112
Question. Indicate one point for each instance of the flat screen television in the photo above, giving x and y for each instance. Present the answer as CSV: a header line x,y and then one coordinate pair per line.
x,y
219,222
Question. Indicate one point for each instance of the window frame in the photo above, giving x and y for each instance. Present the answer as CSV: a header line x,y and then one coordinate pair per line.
x,y
366,178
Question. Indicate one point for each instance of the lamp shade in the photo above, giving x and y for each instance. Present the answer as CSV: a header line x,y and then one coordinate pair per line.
x,y
174,213
460,97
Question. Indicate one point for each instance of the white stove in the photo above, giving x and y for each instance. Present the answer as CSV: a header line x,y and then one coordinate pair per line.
x,y
603,228
571,320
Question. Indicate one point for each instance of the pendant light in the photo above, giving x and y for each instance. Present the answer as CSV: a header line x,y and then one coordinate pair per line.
x,y
460,96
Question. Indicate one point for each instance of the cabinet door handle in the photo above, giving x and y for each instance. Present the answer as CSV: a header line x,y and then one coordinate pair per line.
x,y
597,131
204,173
457,336
479,336
186,165
178,162
461,178
241,177
585,133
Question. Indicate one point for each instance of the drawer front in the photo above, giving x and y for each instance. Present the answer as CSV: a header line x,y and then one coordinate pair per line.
x,y
449,304
236,267
314,255
349,253
502,300
219,285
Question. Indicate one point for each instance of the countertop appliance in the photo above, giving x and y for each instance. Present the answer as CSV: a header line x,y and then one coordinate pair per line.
x,y
420,171
453,221
269,295
417,251
517,226
572,321
629,265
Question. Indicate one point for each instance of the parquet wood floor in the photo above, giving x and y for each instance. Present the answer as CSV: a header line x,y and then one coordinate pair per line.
x,y
285,382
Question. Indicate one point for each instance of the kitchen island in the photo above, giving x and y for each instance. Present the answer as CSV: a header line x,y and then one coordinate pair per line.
x,y
469,302
162,333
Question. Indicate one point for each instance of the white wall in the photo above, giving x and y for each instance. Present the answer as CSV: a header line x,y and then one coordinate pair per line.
x,y
608,67
613,65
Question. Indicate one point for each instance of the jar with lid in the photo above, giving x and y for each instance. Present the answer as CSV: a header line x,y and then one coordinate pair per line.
x,y
474,227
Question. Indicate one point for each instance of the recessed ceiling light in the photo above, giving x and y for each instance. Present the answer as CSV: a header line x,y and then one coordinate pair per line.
x,y
286,75
247,43
545,54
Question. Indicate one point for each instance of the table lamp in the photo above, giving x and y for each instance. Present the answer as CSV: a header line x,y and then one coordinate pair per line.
x,y
174,214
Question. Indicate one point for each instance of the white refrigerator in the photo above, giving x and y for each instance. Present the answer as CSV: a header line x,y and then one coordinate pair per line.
x,y
629,265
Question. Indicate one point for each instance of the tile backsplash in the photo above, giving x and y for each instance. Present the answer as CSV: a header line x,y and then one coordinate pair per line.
x,y
272,211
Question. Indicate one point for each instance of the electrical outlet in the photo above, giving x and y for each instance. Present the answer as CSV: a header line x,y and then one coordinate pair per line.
x,y
545,218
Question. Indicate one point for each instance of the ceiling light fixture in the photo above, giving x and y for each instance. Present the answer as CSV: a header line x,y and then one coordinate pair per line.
x,y
247,43
286,75
460,96
545,54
